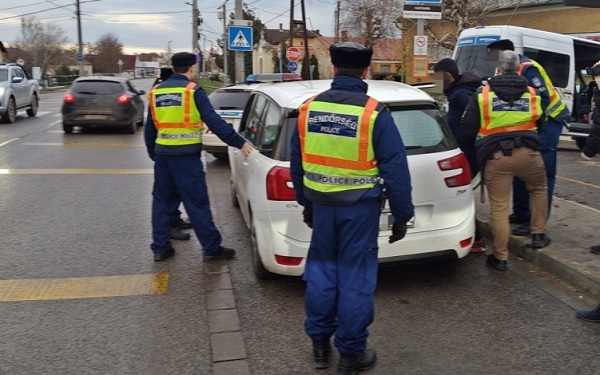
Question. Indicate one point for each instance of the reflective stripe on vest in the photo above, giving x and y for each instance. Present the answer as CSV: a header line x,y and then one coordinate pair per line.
x,y
175,115
336,145
498,116
556,105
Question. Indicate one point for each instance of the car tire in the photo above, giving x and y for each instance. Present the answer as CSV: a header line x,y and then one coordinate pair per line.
x,y
33,109
221,155
132,128
234,200
260,272
11,111
68,128
580,142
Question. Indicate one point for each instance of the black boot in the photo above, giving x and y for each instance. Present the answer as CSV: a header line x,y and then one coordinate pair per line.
x,y
590,316
321,352
362,361
539,240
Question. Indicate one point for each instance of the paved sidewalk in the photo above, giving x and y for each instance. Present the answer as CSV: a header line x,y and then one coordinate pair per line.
x,y
573,228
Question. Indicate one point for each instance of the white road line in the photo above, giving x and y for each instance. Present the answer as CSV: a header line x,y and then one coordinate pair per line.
x,y
7,142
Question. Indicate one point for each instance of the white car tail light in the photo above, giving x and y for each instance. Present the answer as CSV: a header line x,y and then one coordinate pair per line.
x,y
460,164
279,185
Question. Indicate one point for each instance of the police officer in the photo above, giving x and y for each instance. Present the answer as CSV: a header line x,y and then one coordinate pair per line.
x,y
336,177
504,117
179,109
554,119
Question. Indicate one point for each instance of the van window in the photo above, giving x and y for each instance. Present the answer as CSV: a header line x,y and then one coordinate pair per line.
x,y
474,59
557,65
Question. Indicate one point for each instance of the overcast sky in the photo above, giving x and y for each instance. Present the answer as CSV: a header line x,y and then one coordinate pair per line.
x,y
149,25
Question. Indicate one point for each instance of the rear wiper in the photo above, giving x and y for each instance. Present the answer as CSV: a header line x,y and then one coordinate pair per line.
x,y
225,108
412,147
87,92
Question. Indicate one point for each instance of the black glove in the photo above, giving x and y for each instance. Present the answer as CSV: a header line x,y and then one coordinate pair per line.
x,y
307,213
398,231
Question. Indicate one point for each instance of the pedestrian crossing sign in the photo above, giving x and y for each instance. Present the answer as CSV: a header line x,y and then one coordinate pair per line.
x,y
240,38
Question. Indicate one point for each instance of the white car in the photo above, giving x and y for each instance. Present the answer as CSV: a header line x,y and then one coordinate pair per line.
x,y
444,223
229,103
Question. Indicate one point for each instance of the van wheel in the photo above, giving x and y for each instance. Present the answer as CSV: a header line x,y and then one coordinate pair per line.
x,y
580,142
259,269
32,110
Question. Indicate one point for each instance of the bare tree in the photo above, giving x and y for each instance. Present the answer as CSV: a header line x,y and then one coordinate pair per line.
x,y
42,43
370,20
108,52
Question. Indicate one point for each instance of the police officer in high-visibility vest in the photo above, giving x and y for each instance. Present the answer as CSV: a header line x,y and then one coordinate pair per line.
x,y
179,109
503,119
345,145
555,115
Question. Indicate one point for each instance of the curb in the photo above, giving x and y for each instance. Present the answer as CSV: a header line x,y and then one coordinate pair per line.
x,y
552,261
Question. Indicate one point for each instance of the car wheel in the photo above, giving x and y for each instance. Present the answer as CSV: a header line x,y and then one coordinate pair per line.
x,y
32,111
68,128
580,142
132,128
259,269
11,111
234,200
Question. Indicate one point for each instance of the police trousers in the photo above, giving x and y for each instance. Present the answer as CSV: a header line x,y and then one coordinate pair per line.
x,y
499,171
341,274
182,177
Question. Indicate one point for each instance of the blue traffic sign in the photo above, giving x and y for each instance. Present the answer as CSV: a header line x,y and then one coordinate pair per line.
x,y
79,57
292,66
240,38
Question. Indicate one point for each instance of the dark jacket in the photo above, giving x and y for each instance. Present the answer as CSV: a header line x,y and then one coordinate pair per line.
x,y
389,153
459,94
210,118
508,87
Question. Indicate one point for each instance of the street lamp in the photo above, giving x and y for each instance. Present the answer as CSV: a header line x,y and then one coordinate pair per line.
x,y
169,51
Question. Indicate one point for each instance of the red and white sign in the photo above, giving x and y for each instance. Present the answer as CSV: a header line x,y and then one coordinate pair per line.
x,y
420,46
293,54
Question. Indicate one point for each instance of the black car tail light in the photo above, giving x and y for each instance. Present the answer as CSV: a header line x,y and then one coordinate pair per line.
x,y
69,98
279,185
123,99
455,163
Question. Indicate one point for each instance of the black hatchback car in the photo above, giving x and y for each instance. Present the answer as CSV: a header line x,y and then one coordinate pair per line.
x,y
103,101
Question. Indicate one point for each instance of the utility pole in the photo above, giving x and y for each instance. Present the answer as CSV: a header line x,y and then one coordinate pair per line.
x,y
80,55
225,41
195,24
239,55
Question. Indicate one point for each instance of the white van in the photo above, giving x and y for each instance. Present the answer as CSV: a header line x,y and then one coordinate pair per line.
x,y
564,57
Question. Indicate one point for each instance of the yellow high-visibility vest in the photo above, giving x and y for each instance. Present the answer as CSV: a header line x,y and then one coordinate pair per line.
x,y
176,116
336,144
498,116
556,105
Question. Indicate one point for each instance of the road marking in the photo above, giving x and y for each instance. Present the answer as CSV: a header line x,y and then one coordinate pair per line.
x,y
86,144
82,287
76,171
579,182
7,142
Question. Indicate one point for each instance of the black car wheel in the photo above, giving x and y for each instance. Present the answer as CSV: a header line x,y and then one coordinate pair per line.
x,y
11,111
234,201
132,128
580,142
68,128
32,111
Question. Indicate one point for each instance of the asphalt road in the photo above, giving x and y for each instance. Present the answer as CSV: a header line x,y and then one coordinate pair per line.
x,y
75,209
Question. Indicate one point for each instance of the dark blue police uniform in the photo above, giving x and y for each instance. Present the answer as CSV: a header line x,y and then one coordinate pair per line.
x,y
179,170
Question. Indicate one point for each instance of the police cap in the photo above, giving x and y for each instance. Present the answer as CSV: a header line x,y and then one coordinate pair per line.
x,y
502,44
350,55
183,59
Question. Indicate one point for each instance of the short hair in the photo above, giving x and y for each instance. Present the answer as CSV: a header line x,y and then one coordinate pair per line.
x,y
180,69
352,72
508,61
447,65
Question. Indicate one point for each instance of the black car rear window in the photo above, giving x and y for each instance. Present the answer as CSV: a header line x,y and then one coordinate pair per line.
x,y
97,87
229,99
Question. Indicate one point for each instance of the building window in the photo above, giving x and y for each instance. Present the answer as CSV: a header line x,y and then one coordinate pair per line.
x,y
385,69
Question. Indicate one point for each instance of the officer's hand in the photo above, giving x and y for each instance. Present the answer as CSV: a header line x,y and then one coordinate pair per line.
x,y
247,149
307,213
398,231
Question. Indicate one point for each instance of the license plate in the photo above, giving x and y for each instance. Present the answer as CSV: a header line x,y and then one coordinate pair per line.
x,y
387,220
94,117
